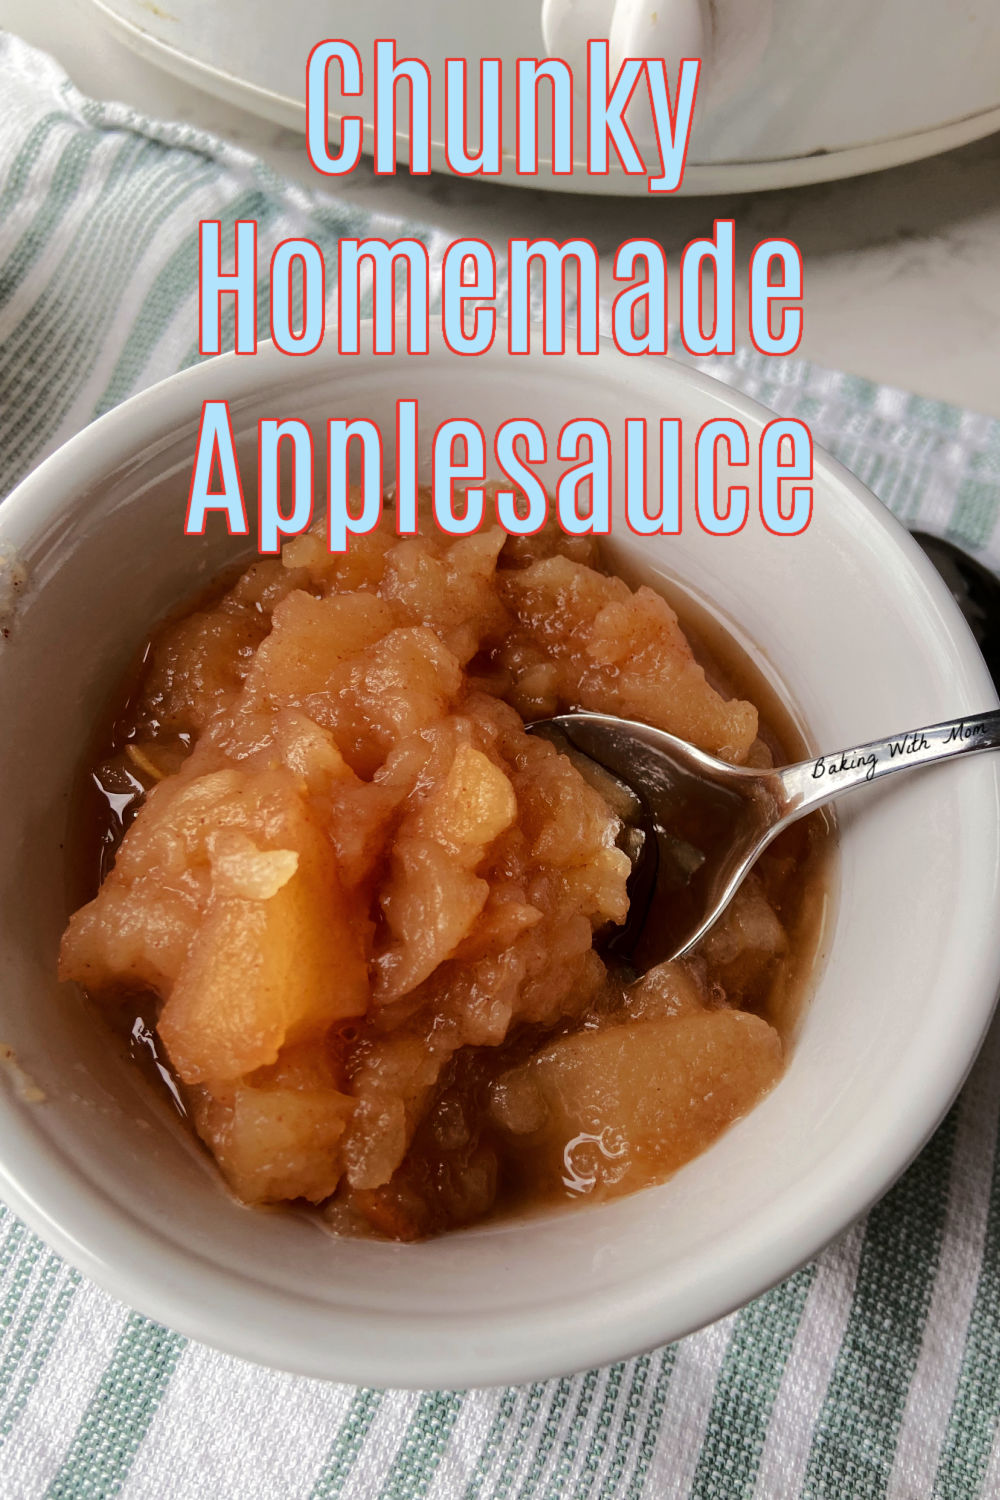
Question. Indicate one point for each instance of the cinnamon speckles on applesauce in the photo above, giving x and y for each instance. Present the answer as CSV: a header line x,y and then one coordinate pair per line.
x,y
355,902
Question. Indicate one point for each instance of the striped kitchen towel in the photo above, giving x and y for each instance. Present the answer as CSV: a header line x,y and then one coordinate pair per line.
x,y
874,1371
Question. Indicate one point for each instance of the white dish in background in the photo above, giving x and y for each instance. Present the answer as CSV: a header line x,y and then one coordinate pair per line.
x,y
865,640
793,91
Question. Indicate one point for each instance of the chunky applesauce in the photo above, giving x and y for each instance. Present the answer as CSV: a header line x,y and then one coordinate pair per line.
x,y
349,905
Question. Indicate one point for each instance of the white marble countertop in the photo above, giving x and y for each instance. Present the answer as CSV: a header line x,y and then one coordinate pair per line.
x,y
902,267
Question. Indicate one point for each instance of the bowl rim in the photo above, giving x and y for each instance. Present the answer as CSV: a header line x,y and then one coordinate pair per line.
x,y
186,1291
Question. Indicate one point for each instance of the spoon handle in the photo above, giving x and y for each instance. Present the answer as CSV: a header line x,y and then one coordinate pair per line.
x,y
813,782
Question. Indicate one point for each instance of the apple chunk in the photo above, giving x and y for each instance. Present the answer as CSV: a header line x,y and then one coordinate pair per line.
x,y
263,972
433,896
276,1142
609,1111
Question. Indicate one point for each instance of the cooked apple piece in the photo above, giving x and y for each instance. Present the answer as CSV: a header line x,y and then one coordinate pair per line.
x,y
198,665
310,751
746,944
393,1082
263,971
598,889
240,868
137,931
624,653
361,566
670,989
430,904
504,917
519,551
356,814
605,1111
340,660
565,818
226,899
404,684
472,806
117,942
310,638
275,1141
449,588
432,897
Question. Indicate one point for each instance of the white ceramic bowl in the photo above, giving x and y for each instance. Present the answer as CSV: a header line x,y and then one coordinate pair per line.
x,y
865,640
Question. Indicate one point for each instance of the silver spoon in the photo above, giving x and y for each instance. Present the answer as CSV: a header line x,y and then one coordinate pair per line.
x,y
726,815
